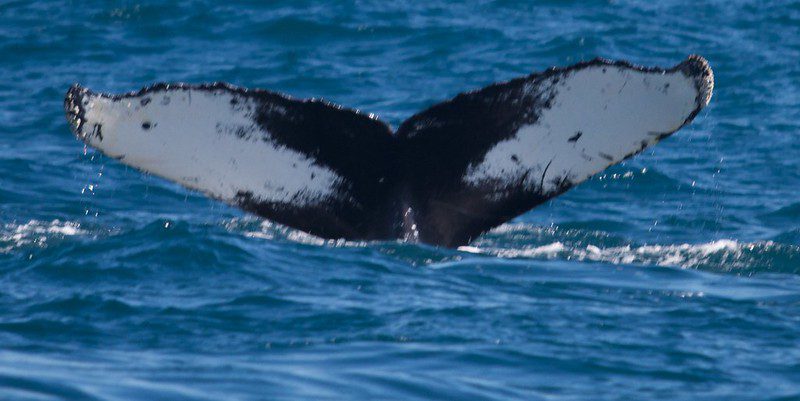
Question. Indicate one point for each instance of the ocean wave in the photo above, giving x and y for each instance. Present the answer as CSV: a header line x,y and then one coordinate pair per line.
x,y
525,241
509,241
266,229
36,233
722,255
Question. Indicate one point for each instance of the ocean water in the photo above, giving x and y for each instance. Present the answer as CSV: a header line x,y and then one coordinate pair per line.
x,y
674,276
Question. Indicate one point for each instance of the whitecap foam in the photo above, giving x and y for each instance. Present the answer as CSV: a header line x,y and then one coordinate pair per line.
x,y
520,240
36,233
723,254
272,231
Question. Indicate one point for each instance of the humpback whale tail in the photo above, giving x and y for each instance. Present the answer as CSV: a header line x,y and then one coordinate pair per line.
x,y
448,174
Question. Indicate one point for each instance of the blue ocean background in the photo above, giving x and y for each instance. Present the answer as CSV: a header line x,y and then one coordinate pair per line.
x,y
674,276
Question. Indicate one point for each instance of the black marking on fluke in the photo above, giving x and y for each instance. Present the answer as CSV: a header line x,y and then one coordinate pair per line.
x,y
388,177
575,137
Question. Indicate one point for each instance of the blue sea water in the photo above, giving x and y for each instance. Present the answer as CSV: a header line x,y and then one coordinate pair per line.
x,y
674,276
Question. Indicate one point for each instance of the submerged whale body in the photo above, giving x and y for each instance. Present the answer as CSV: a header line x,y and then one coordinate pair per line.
x,y
446,175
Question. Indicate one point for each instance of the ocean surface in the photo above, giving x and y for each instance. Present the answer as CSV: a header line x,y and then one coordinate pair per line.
x,y
673,276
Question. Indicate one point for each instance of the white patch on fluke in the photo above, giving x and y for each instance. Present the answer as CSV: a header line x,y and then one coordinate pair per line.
x,y
198,138
598,116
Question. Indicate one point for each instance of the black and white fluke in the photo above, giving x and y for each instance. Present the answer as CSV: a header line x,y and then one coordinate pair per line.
x,y
445,176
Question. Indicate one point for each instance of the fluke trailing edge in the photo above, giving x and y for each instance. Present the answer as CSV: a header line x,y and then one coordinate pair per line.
x,y
447,174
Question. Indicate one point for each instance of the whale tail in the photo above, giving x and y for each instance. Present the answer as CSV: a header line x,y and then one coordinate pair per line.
x,y
447,175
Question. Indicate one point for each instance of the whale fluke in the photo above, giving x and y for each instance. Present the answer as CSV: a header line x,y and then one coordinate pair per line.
x,y
448,174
